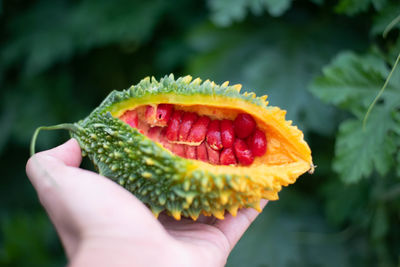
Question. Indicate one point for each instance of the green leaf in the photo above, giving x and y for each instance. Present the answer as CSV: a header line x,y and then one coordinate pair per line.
x,y
359,150
351,82
225,12
384,18
353,7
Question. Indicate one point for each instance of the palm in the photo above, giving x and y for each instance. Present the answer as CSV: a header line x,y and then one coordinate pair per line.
x,y
200,239
209,234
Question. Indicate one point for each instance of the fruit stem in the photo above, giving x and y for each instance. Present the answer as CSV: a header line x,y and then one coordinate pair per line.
x,y
64,126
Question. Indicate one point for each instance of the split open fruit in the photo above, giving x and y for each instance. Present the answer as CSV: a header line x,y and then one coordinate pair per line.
x,y
189,147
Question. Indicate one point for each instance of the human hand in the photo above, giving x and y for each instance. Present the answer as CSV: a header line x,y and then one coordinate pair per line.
x,y
102,224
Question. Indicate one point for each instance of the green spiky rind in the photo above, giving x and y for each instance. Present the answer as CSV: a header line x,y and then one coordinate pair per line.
x,y
157,177
181,86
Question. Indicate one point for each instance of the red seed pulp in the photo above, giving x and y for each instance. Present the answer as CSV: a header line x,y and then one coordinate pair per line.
x,y
227,133
214,135
244,125
257,143
227,156
173,125
242,152
189,135
188,120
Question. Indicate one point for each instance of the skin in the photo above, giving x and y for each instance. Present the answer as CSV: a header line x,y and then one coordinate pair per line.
x,y
102,224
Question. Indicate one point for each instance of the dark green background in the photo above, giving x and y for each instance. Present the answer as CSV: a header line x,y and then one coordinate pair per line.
x,y
59,59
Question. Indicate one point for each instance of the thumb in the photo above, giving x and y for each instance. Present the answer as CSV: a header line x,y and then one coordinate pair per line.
x,y
81,202
67,154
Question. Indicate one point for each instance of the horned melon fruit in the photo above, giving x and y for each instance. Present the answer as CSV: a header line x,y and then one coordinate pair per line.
x,y
189,147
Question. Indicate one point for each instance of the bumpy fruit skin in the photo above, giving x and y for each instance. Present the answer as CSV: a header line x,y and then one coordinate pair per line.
x,y
180,186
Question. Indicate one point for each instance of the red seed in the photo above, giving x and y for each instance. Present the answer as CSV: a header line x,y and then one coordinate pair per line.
x,y
130,117
191,152
199,130
242,152
188,120
213,155
244,125
214,135
173,125
227,133
227,156
163,139
164,112
257,143
154,133
202,152
178,149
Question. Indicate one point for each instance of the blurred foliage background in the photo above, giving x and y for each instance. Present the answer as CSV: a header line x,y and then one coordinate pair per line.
x,y
323,61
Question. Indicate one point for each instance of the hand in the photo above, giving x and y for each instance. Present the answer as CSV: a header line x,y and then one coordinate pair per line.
x,y
102,224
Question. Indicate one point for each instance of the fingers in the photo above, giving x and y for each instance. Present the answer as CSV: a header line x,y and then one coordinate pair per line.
x,y
83,203
69,153
63,188
37,169
234,227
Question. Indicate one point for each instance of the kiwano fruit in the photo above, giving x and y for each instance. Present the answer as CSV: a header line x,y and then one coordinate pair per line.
x,y
190,147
